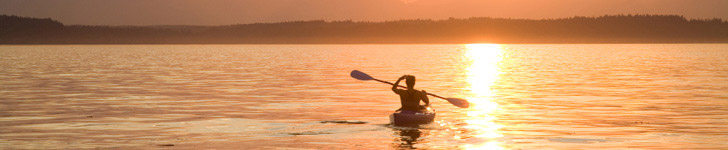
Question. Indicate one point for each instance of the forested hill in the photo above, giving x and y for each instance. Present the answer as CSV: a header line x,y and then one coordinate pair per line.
x,y
604,29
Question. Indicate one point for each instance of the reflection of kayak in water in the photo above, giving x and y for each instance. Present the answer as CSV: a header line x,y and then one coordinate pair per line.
x,y
407,117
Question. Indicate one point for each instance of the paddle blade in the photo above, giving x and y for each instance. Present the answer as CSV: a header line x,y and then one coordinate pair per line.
x,y
356,74
462,103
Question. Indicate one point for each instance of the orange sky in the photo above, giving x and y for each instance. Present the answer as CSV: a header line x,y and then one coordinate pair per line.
x,y
223,12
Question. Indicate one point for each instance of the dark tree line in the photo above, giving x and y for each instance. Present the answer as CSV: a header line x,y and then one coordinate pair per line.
x,y
603,29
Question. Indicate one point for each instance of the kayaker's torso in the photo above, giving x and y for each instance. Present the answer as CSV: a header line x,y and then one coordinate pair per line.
x,y
410,99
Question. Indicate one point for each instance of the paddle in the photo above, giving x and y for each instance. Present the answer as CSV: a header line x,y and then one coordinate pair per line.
x,y
462,103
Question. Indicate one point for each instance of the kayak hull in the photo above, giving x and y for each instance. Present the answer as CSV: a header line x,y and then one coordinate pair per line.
x,y
409,118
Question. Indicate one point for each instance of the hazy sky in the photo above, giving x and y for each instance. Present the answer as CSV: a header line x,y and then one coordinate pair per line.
x,y
223,12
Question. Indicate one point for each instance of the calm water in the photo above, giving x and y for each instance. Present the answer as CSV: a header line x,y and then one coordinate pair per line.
x,y
672,96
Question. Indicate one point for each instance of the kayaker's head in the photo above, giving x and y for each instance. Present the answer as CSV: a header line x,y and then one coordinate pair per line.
x,y
410,81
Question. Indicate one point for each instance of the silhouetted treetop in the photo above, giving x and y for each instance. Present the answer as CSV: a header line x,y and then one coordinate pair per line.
x,y
639,28
13,24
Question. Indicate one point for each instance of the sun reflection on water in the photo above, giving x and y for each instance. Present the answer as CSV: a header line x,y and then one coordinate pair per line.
x,y
482,74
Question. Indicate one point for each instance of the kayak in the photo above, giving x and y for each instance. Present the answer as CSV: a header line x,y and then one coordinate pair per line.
x,y
407,117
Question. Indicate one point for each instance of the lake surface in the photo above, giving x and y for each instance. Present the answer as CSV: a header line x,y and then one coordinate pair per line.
x,y
632,96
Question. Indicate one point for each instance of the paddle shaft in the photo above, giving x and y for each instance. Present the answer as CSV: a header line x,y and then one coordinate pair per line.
x,y
390,83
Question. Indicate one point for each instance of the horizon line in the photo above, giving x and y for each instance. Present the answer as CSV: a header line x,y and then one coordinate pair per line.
x,y
383,21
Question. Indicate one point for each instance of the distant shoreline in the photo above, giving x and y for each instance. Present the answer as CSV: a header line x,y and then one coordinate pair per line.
x,y
616,29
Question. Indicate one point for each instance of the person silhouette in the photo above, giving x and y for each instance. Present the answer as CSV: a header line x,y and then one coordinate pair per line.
x,y
410,98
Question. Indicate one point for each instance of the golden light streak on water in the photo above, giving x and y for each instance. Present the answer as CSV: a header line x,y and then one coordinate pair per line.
x,y
482,74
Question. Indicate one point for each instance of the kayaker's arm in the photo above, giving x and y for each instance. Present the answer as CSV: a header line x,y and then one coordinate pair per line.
x,y
394,86
425,98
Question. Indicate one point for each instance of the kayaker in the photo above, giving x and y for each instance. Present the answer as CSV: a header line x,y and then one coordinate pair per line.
x,y
410,98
